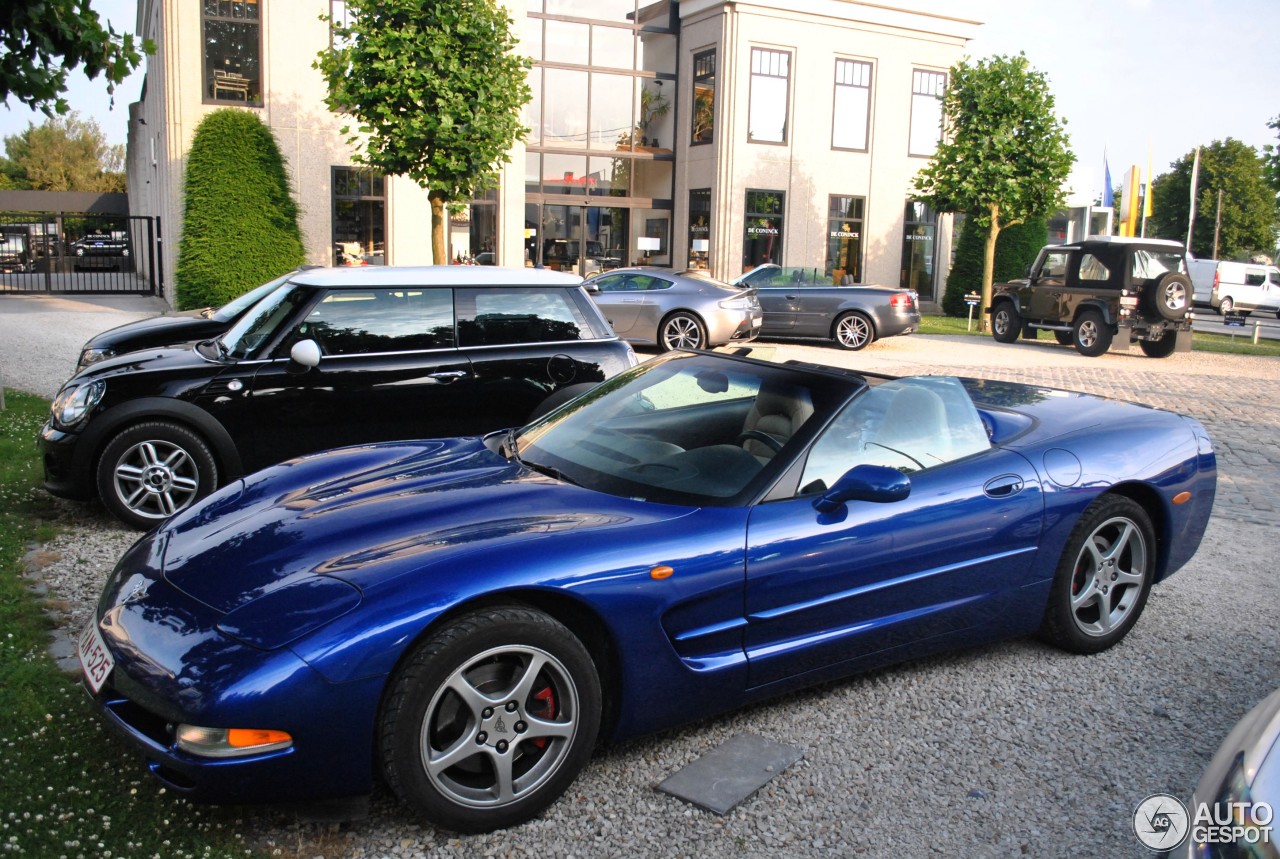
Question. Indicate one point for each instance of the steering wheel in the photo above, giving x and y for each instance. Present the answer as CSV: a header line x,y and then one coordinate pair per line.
x,y
762,437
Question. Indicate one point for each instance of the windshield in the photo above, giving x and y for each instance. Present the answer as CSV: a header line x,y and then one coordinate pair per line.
x,y
687,429
263,320
236,306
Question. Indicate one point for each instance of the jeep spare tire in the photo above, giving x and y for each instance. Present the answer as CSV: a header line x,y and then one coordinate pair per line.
x,y
1170,296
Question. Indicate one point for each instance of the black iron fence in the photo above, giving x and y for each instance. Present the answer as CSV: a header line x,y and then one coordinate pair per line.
x,y
79,253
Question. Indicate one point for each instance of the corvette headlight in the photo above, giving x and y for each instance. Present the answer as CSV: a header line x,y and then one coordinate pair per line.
x,y
92,356
230,742
74,402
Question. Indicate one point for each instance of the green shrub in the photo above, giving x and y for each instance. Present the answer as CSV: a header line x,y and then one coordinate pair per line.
x,y
1016,248
240,224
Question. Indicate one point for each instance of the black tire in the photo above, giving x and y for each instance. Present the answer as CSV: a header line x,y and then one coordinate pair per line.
x,y
1064,338
682,330
853,331
1091,335
1103,577
1226,306
1161,348
1170,297
1006,324
534,709
149,471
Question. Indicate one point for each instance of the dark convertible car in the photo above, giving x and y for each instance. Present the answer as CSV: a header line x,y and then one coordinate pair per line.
x,y
464,617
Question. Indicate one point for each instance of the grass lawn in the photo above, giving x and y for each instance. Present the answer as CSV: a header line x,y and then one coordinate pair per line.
x,y
1240,344
69,789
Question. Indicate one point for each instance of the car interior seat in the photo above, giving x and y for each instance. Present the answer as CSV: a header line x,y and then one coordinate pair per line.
x,y
915,424
778,412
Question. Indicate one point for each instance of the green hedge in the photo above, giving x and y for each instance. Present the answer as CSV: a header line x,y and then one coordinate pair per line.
x,y
240,224
1016,248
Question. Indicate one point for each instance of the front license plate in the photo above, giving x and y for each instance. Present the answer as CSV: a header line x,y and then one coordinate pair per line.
x,y
95,659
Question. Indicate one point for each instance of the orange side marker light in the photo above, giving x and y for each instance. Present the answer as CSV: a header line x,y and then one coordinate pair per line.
x,y
1182,498
660,573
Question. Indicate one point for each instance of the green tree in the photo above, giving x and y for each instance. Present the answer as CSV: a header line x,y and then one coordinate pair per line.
x,y
1271,158
1004,155
240,224
436,91
1016,248
1248,216
65,153
40,42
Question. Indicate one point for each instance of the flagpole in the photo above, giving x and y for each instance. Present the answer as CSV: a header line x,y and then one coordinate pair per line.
x,y
1195,181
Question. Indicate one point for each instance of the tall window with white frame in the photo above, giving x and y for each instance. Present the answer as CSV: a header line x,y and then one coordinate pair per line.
x,y
704,97
233,51
762,228
919,244
770,91
844,238
851,115
926,111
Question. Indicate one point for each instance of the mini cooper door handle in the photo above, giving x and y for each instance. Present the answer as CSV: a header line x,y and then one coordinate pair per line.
x,y
1003,486
448,376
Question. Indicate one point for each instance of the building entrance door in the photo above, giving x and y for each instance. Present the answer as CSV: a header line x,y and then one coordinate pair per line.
x,y
581,239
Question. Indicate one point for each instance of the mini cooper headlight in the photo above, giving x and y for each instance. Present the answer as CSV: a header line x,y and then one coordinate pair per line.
x,y
74,402
93,356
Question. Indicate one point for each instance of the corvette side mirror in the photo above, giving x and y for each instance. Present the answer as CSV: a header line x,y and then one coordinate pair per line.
x,y
876,483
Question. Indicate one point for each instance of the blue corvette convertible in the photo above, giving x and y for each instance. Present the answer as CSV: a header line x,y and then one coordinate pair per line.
x,y
465,617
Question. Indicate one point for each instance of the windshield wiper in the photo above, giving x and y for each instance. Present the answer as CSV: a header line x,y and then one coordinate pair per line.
x,y
511,445
549,471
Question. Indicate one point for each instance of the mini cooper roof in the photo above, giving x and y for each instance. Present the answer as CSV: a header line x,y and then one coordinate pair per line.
x,y
349,277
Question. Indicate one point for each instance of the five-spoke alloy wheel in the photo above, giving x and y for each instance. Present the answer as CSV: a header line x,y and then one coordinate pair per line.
x,y
1103,578
490,719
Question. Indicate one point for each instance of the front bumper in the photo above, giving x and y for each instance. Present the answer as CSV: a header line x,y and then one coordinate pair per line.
x,y
67,464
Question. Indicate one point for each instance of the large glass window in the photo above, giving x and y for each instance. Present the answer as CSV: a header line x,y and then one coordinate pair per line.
x,y
926,111
852,112
564,122
359,217
770,85
233,51
704,97
844,239
919,240
699,228
762,230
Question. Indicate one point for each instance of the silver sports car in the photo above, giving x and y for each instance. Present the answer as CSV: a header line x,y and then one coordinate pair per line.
x,y
852,316
675,311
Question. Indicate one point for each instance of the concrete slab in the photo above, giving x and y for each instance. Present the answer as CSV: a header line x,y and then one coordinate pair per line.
x,y
731,772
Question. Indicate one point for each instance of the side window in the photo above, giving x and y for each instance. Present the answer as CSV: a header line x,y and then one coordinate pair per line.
x,y
368,321
907,424
614,283
649,283
1254,277
1274,277
504,316
1054,266
1092,269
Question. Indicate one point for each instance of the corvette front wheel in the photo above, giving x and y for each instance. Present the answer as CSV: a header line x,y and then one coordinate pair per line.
x,y
1103,577
488,721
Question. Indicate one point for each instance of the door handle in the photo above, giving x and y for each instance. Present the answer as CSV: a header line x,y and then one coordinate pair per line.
x,y
447,376
1003,486
632,300
791,298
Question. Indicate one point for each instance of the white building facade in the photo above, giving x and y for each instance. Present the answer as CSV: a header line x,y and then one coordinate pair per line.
x,y
704,133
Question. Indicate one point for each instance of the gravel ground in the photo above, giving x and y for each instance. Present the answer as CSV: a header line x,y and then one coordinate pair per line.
x,y
1014,749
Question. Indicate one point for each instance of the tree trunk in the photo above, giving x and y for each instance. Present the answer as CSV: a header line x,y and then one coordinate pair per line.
x,y
439,255
989,266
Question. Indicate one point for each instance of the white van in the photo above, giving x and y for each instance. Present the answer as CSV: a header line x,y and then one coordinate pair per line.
x,y
1241,287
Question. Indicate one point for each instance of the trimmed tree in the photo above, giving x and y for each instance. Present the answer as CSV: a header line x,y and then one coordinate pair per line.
x,y
240,222
436,91
1003,157
1248,201
65,153
1016,249
40,42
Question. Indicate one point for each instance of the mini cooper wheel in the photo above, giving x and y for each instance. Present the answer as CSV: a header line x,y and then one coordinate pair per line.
x,y
853,331
1091,334
1103,578
152,470
489,720
682,331
1006,324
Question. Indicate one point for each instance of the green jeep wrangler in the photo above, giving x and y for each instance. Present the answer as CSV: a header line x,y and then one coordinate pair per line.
x,y
1101,293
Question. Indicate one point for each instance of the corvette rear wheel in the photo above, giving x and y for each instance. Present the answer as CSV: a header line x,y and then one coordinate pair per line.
x,y
1103,578
488,721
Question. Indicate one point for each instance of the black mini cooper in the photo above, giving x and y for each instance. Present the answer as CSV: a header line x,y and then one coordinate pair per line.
x,y
333,357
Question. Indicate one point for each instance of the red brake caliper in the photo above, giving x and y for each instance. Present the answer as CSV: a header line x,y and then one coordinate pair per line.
x,y
544,709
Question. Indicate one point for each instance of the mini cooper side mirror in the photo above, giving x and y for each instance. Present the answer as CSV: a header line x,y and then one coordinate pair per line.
x,y
876,483
306,353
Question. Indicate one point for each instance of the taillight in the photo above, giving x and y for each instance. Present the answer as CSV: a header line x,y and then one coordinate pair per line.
x,y
900,299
